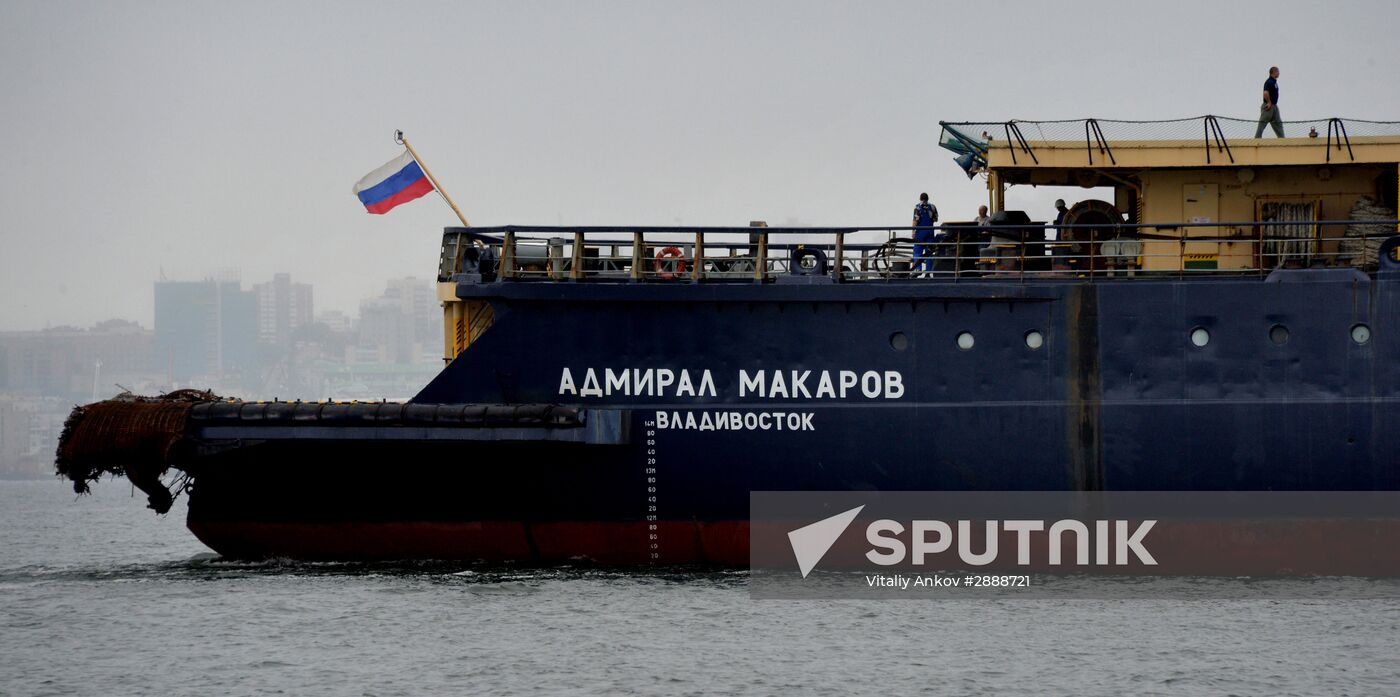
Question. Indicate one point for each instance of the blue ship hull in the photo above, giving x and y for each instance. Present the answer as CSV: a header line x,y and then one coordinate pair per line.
x,y
1116,396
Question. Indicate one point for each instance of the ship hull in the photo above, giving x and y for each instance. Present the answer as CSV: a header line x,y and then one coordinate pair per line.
x,y
1116,396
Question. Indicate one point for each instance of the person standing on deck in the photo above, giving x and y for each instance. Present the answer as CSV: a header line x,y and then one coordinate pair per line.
x,y
982,219
925,215
1060,212
1268,111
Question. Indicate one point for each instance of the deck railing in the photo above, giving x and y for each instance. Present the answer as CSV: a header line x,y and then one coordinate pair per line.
x,y
1332,135
875,254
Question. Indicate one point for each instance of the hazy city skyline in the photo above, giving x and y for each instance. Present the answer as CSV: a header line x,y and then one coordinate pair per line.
x,y
190,138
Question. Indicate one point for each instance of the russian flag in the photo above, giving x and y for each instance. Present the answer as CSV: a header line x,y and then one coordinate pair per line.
x,y
400,180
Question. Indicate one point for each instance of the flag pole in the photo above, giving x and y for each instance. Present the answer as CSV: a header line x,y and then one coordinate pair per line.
x,y
398,138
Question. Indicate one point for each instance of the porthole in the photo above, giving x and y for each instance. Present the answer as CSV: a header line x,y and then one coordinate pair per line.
x,y
1278,334
899,342
1200,336
965,341
1034,340
1361,334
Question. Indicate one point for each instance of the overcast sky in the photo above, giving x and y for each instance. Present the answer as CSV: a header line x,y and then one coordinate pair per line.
x,y
199,138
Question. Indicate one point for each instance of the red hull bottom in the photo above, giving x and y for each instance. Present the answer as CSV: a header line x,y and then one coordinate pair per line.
x,y
723,543
1238,548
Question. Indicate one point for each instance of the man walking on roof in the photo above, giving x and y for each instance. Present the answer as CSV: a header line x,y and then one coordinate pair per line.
x,y
1268,111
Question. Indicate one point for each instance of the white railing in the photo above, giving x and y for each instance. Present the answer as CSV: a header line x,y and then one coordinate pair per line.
x,y
955,252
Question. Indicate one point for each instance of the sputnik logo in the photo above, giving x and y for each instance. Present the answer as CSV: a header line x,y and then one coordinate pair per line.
x,y
811,542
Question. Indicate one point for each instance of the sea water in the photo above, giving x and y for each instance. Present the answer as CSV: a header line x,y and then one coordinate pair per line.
x,y
99,596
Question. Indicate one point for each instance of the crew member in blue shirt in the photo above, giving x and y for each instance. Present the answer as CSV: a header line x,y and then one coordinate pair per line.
x,y
1268,111
1060,212
925,215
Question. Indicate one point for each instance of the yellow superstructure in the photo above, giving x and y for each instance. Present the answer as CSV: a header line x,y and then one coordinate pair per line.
x,y
1170,182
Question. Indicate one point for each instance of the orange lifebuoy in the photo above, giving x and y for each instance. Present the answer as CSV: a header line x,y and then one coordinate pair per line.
x,y
665,268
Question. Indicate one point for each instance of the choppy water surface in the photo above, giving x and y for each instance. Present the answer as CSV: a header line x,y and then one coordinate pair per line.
x,y
100,596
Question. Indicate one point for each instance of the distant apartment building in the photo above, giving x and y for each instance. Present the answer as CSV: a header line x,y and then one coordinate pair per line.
x,y
417,298
205,328
283,308
403,325
336,321
14,434
386,333
29,428
75,363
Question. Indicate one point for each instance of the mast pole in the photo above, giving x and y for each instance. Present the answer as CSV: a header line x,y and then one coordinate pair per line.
x,y
398,138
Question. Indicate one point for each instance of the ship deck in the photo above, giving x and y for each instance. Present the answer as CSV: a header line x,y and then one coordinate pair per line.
x,y
1015,252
